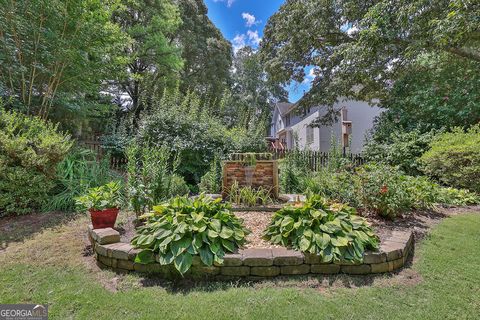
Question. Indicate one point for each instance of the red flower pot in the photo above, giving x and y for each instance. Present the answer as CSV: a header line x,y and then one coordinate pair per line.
x,y
104,218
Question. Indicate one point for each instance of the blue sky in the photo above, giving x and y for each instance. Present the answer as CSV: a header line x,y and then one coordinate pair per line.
x,y
242,22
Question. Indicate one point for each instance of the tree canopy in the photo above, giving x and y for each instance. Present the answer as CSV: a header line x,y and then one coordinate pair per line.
x,y
359,49
207,55
54,53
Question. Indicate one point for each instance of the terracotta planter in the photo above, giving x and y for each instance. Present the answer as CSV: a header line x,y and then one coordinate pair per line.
x,y
104,218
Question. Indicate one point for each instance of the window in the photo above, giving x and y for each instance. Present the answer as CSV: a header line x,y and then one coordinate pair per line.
x,y
287,120
306,111
310,135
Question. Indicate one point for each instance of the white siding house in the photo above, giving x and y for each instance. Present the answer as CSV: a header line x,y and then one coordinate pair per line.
x,y
290,126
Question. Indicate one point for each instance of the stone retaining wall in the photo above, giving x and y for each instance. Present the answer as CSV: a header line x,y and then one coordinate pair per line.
x,y
255,262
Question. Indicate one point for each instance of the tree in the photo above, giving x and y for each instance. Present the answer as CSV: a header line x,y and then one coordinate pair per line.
x,y
360,48
152,56
54,53
253,94
206,53
443,93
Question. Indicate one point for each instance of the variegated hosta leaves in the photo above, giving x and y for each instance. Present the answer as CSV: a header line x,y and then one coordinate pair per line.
x,y
182,228
332,231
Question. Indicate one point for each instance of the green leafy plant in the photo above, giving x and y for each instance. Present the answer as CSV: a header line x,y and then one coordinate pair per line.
x,y
30,150
330,230
402,149
336,185
78,172
249,196
103,197
293,168
152,176
211,182
454,158
182,228
383,190
456,197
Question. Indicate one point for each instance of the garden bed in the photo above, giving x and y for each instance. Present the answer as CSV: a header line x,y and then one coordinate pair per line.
x,y
257,222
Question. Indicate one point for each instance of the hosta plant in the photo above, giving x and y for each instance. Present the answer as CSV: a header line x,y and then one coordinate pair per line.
x,y
181,228
330,230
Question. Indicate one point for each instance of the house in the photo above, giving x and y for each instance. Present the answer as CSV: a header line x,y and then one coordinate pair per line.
x,y
290,126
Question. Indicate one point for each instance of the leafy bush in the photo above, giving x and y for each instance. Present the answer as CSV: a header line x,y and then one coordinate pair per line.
x,y
456,197
182,228
330,230
402,149
30,150
293,168
383,190
249,196
187,128
152,176
178,186
100,198
211,182
340,186
389,192
78,172
454,159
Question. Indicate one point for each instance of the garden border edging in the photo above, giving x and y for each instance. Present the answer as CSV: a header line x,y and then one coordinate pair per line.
x,y
253,262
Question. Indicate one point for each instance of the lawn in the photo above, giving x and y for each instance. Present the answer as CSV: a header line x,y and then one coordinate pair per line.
x,y
52,266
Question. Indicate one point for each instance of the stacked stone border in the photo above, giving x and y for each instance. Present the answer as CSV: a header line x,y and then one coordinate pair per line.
x,y
253,263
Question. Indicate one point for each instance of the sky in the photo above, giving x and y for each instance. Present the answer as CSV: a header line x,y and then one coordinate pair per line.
x,y
242,22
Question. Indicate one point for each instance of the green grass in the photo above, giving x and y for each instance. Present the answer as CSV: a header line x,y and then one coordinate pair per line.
x,y
50,269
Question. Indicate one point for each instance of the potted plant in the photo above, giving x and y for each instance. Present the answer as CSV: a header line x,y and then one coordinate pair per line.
x,y
103,203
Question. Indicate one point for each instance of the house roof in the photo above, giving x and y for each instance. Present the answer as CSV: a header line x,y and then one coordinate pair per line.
x,y
285,107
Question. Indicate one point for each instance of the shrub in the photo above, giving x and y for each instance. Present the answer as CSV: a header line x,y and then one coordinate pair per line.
x,y
456,197
293,168
152,176
340,186
103,197
78,172
178,186
30,150
211,182
182,228
383,190
454,159
402,149
330,230
188,128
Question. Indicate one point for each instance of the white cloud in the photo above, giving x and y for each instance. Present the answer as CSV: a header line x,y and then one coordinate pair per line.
x,y
229,2
253,37
309,77
239,42
250,19
353,30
